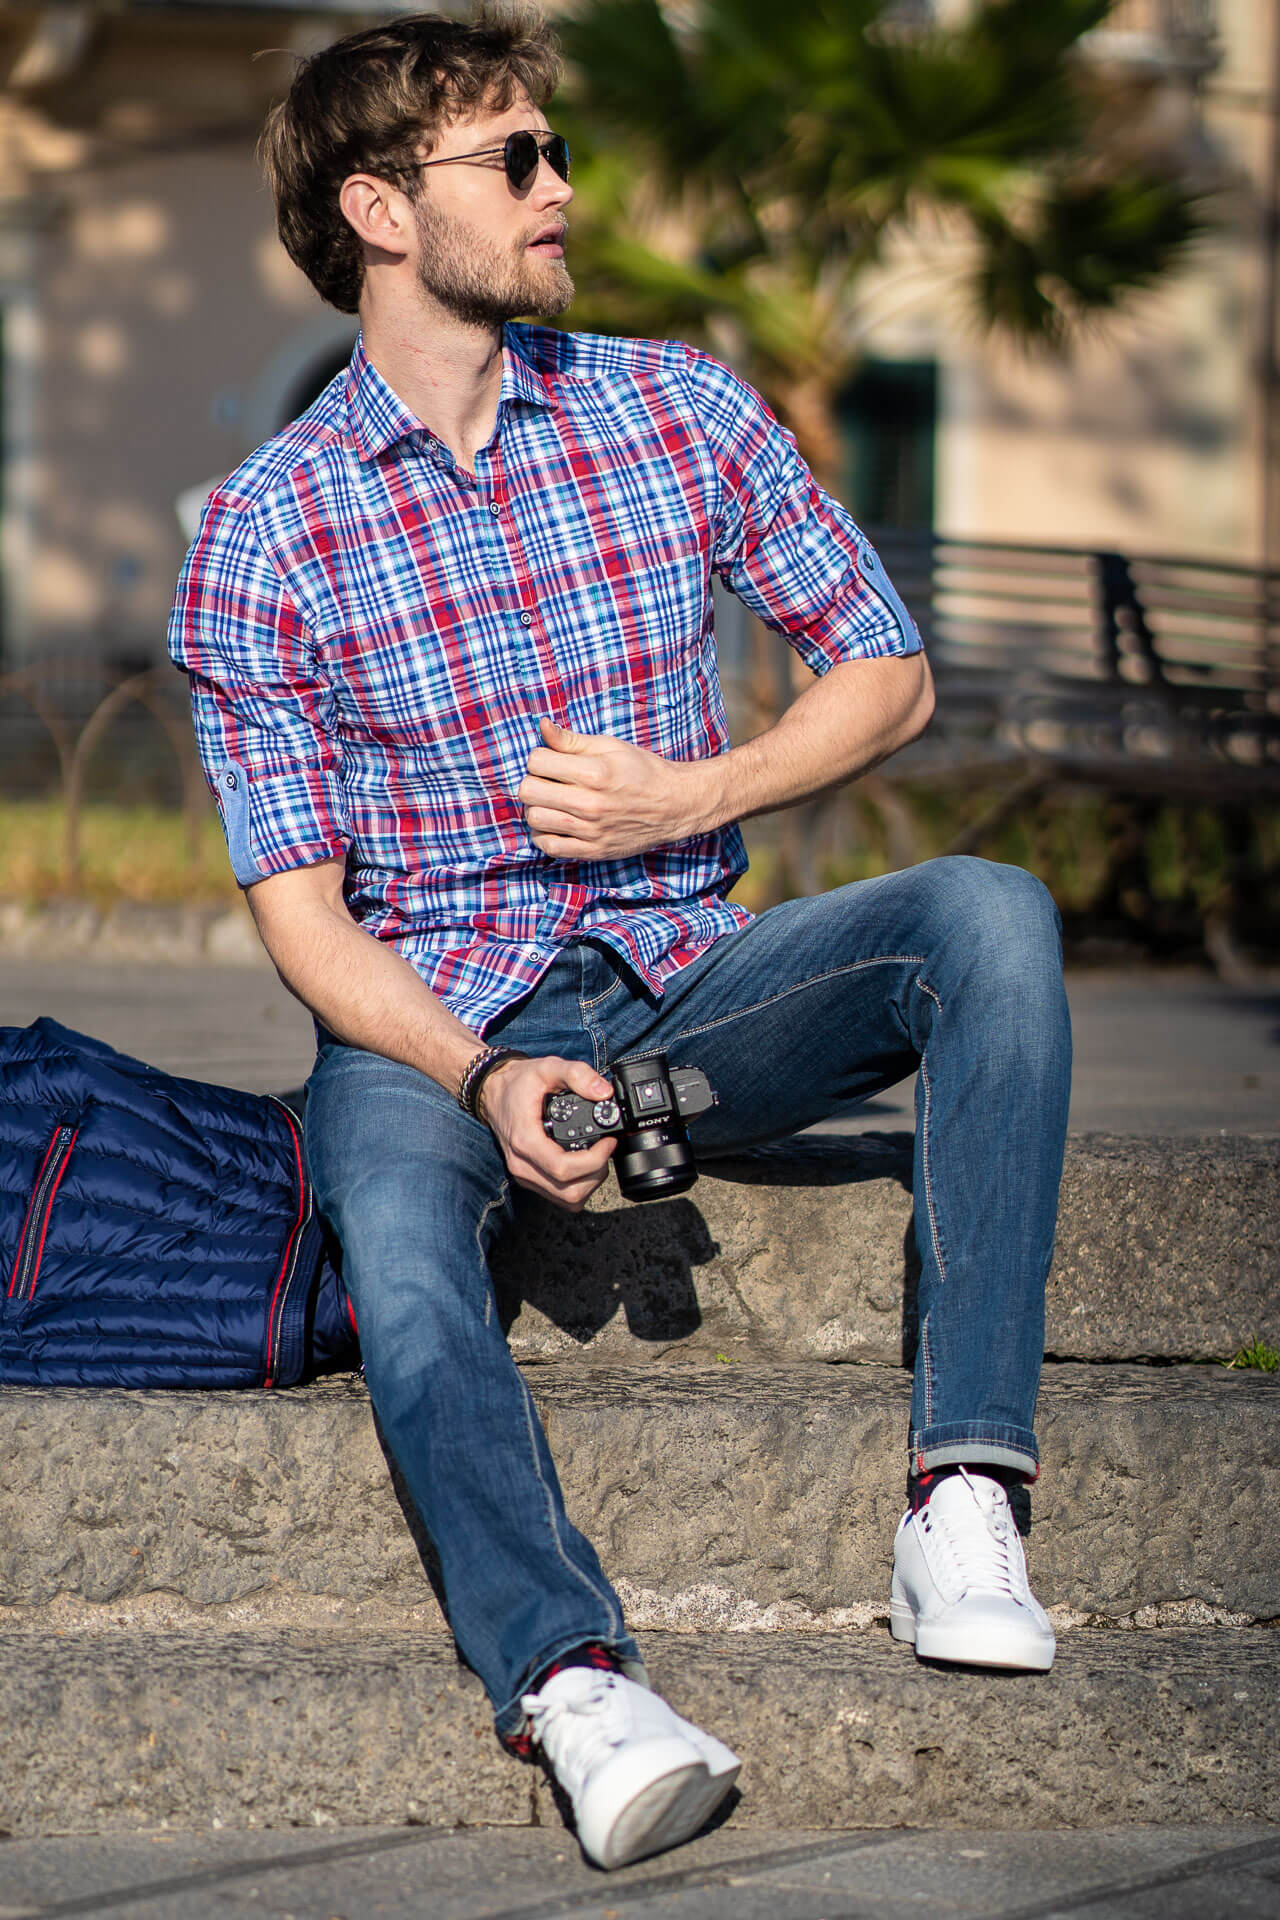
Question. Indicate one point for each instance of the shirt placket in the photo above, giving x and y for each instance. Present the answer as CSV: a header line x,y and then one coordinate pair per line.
x,y
564,899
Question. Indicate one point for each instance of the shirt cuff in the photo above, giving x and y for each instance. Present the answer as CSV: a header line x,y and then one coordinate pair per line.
x,y
277,823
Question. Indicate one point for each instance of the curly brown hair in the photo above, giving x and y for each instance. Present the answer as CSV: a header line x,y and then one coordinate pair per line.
x,y
372,102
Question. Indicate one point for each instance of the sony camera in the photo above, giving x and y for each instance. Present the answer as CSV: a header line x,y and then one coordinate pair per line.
x,y
647,1112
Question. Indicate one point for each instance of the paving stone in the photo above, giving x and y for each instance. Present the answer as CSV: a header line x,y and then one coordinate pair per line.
x,y
730,1496
111,1732
536,1873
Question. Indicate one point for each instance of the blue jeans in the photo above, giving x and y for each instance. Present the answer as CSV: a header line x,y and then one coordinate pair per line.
x,y
954,966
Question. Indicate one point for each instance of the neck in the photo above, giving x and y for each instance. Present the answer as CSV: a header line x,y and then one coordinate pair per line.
x,y
446,372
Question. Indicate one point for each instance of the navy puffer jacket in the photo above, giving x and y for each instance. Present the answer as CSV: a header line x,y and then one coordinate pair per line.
x,y
154,1232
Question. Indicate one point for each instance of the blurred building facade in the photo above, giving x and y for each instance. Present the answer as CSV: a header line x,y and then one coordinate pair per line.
x,y
152,330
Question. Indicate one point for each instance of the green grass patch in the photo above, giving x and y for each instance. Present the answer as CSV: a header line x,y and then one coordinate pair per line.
x,y
126,853
1183,863
1258,1355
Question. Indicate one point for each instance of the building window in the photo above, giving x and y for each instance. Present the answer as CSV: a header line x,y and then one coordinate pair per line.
x,y
889,416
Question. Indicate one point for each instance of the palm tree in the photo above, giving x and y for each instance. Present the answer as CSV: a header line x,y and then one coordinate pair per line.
x,y
745,163
743,168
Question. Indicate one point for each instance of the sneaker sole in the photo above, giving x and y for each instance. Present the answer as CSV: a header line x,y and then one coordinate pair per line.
x,y
964,1648
663,1814
902,1622
719,1758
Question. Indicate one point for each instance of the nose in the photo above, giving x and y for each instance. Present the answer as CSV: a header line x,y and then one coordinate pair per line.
x,y
550,189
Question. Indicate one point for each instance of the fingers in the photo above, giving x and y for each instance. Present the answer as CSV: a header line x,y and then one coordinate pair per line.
x,y
564,770
578,1077
559,846
535,1161
568,1180
563,739
582,803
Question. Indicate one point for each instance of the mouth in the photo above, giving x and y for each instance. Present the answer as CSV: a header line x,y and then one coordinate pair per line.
x,y
549,243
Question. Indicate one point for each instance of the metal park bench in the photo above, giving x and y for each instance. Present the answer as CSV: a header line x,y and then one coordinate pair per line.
x,y
1151,673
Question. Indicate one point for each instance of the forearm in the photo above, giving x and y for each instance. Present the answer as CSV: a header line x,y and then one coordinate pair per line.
x,y
363,991
843,725
367,995
591,797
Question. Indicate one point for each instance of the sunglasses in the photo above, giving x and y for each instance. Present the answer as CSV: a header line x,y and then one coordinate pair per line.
x,y
521,153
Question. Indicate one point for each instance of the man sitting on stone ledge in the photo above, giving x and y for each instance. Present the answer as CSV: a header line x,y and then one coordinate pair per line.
x,y
450,645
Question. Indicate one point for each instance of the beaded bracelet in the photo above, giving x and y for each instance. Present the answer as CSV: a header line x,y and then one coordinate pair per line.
x,y
476,1072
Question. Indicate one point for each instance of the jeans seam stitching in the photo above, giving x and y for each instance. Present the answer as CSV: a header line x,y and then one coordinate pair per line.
x,y
498,1200
927,1363
996,1431
834,973
614,1612
925,1156
583,1002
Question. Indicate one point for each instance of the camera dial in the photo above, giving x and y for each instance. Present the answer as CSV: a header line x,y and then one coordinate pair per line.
x,y
646,1115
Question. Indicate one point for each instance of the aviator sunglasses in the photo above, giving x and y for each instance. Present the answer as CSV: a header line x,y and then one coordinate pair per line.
x,y
521,153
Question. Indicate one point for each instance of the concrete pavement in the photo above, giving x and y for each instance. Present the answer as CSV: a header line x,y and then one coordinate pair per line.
x,y
1128,1873
1168,1053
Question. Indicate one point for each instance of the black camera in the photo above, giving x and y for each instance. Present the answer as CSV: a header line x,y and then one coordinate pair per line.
x,y
648,1110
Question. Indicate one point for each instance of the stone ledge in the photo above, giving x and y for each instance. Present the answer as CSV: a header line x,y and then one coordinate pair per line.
x,y
1166,1249
133,930
110,1735
763,1496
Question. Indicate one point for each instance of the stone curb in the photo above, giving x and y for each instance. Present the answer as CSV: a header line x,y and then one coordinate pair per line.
x,y
133,930
1166,1249
114,1733
761,1497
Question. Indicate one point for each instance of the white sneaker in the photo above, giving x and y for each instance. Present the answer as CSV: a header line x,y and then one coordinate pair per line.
x,y
960,1581
640,1778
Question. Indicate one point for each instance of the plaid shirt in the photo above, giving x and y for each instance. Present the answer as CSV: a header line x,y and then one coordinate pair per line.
x,y
372,633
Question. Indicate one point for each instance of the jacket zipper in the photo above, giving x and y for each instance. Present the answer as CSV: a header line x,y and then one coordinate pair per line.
x,y
26,1267
289,1262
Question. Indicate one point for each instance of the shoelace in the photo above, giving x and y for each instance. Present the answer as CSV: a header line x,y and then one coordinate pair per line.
x,y
557,1724
982,1556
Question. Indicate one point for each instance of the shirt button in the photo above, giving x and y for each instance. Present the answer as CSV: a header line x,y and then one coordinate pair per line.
x,y
494,508
526,619
869,562
231,782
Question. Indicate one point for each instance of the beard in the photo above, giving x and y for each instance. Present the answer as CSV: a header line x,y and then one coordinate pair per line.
x,y
482,283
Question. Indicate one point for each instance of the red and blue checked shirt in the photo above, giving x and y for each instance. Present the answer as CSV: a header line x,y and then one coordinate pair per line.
x,y
372,634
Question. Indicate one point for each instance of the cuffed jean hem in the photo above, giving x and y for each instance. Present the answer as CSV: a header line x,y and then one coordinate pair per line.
x,y
974,1447
512,1722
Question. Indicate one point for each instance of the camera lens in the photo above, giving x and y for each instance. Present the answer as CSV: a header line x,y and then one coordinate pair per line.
x,y
653,1157
655,1162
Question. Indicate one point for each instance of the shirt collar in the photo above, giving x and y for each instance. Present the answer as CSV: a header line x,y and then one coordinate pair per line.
x,y
378,418
521,379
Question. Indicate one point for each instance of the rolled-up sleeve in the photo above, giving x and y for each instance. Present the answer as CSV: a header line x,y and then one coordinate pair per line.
x,y
263,710
791,553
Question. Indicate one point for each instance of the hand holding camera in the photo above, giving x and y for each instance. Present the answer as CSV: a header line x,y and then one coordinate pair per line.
x,y
646,1114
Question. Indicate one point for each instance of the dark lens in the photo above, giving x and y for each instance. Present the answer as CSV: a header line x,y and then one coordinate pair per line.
x,y
522,151
520,158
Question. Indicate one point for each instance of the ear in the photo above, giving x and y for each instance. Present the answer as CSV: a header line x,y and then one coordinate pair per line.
x,y
378,214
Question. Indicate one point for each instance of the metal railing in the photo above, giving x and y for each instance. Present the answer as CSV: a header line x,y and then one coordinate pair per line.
x,y
1098,656
76,704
